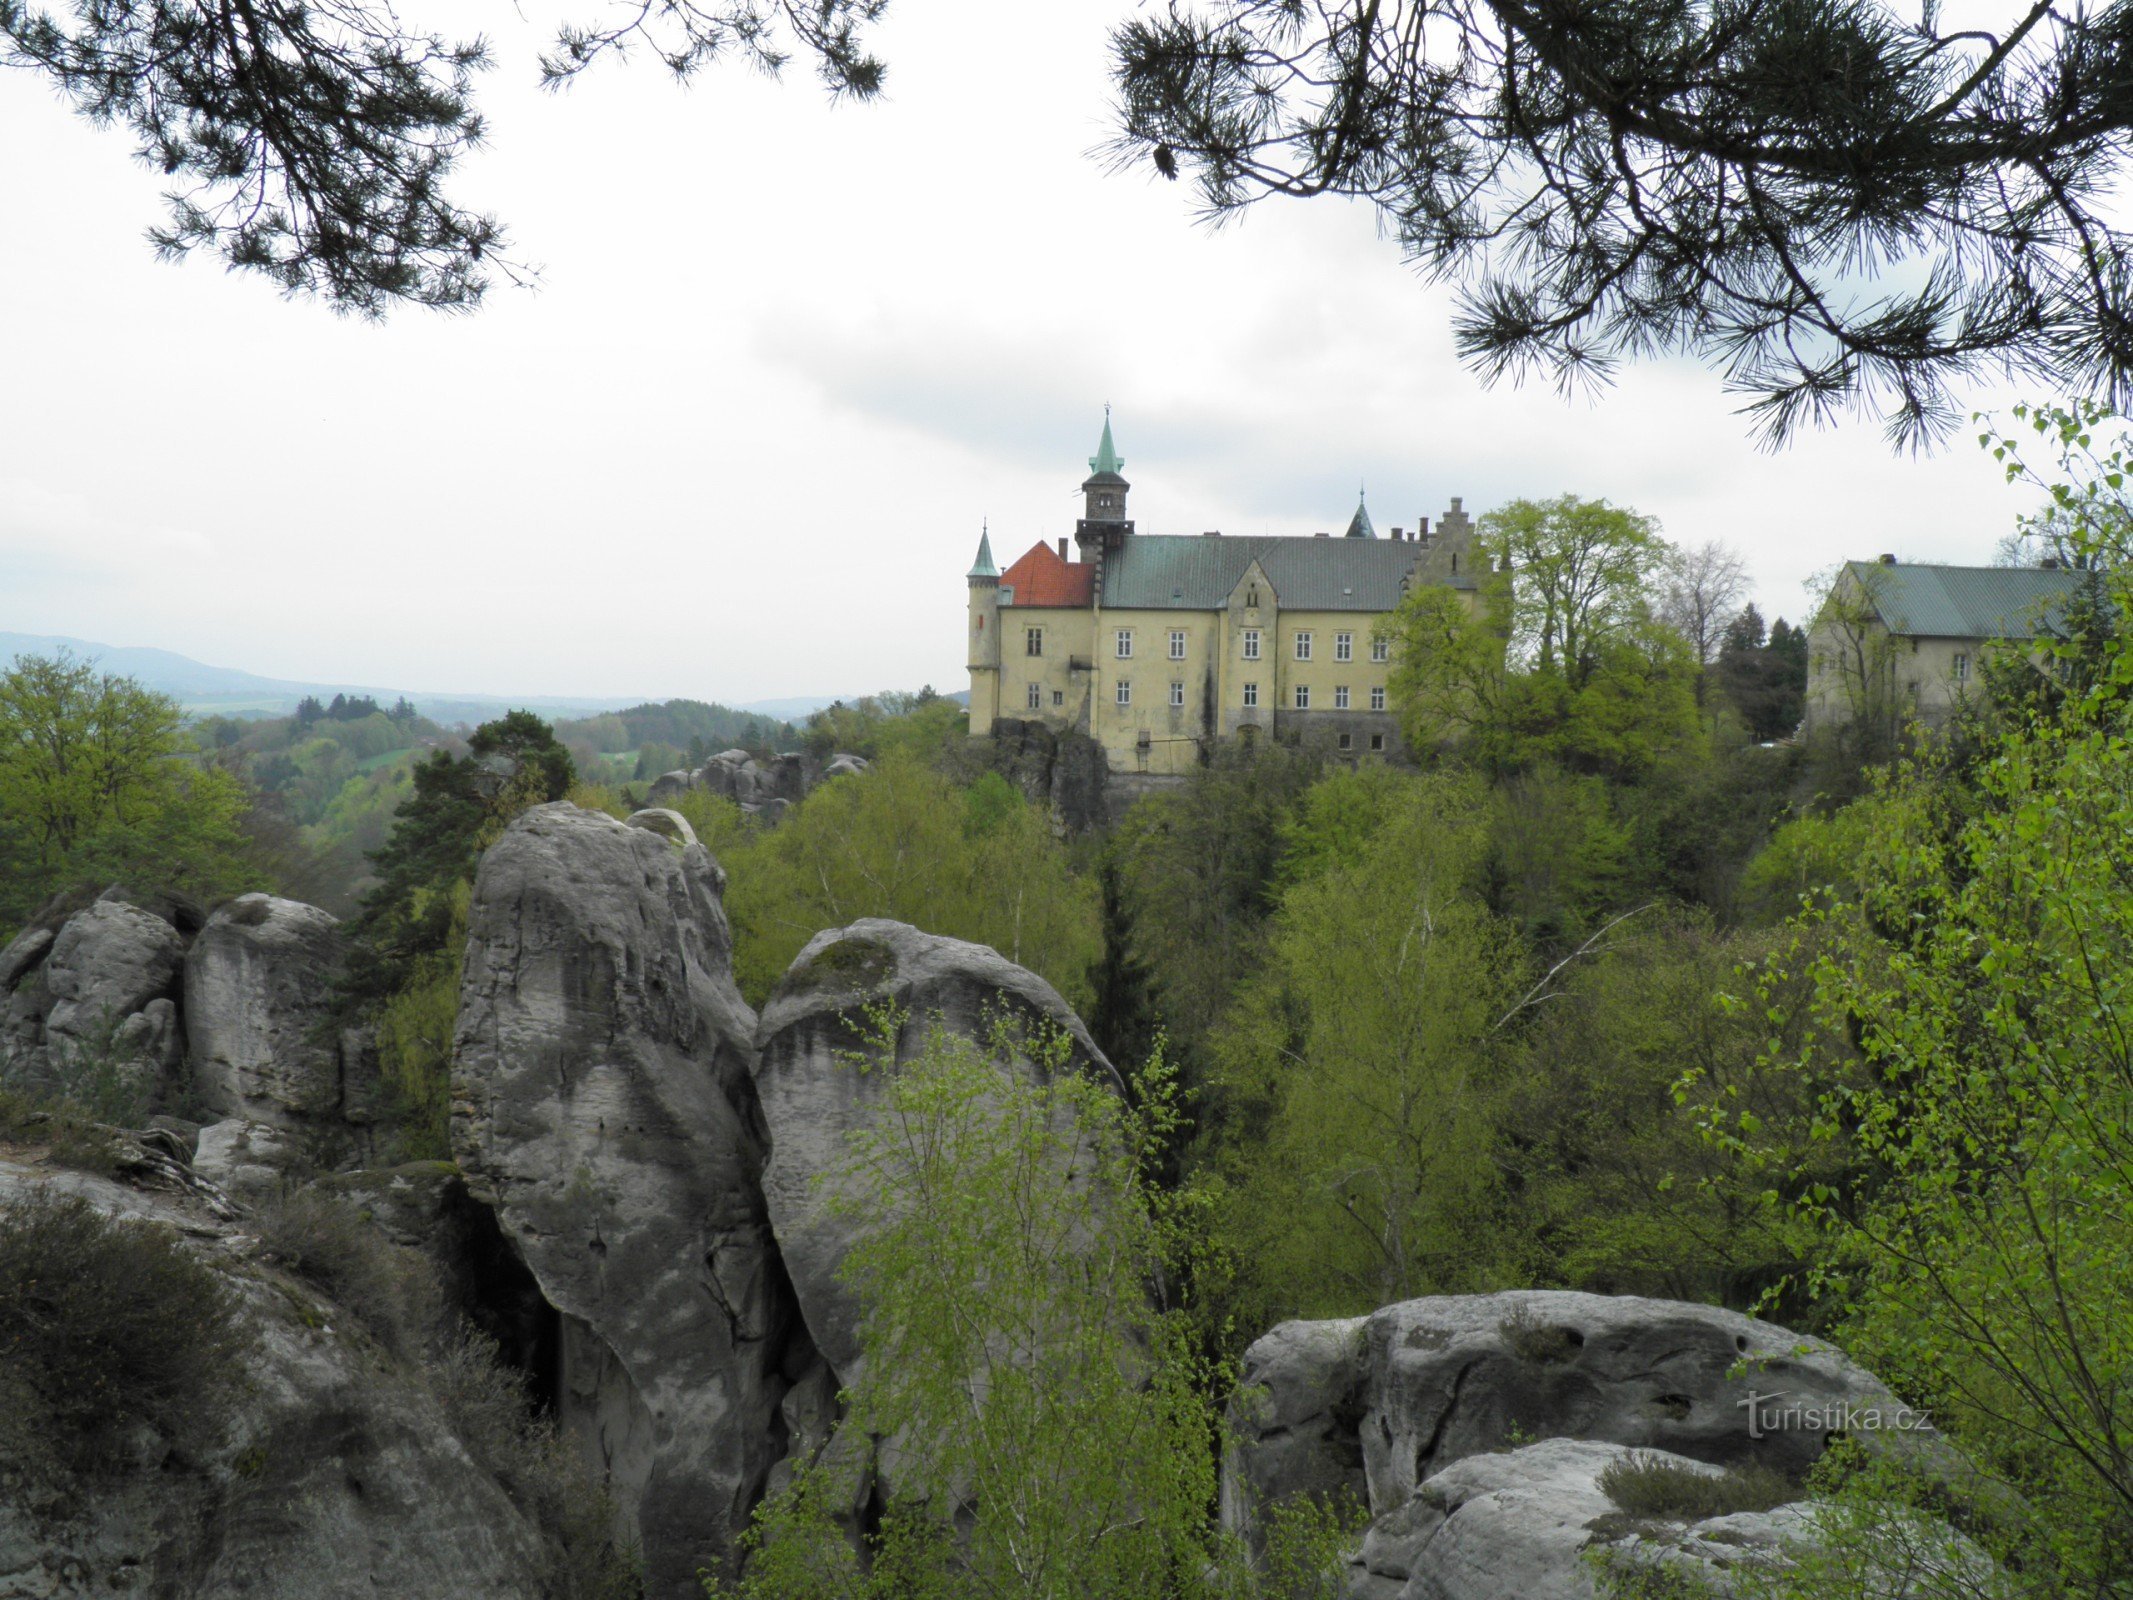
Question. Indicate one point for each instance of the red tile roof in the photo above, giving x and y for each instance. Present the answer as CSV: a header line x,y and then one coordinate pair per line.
x,y
1040,577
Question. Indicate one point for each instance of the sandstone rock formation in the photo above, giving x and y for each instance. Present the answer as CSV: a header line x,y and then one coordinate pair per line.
x,y
602,1104
339,1474
259,1013
1060,769
246,1160
1378,1404
1534,1522
760,788
86,1001
814,1098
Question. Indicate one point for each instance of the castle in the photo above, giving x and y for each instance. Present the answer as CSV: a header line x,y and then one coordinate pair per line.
x,y
1160,646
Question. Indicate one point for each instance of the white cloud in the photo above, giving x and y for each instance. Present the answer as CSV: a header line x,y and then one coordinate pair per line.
x,y
784,359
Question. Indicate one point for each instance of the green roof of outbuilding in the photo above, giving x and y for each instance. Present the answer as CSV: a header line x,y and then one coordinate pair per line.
x,y
1156,572
1967,602
983,567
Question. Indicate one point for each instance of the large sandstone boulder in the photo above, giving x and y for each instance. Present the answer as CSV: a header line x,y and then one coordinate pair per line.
x,y
259,991
335,1472
1377,1405
602,1105
1535,1524
814,1098
86,1003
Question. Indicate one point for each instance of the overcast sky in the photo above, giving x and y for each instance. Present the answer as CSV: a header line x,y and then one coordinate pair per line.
x,y
785,358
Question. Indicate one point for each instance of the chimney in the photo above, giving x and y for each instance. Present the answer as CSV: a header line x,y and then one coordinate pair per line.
x,y
1422,531
1888,560
1399,534
1322,534
1212,533
2049,564
1062,548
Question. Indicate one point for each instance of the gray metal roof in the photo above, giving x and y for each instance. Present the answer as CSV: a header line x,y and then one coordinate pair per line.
x,y
1158,571
1967,602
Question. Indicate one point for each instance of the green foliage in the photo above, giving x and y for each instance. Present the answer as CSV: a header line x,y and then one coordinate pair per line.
x,y
1197,868
1647,1485
387,1288
1962,1044
99,782
1559,656
105,1326
1764,676
1350,1085
925,726
492,1414
69,1135
1607,1187
457,808
1052,1435
903,841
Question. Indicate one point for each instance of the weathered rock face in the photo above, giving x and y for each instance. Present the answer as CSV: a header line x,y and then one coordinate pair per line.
x,y
1065,770
814,1098
602,1104
247,1160
338,1475
93,995
258,1012
1534,1522
1378,1404
765,789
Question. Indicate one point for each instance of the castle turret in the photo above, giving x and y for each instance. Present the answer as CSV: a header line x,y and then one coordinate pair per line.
x,y
984,637
1359,525
1103,524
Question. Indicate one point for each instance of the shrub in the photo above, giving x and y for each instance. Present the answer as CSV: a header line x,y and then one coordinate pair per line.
x,y
490,1411
1654,1486
105,1326
387,1288
70,1137
1544,1344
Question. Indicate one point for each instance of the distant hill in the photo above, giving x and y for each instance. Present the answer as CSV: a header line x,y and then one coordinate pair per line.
x,y
204,689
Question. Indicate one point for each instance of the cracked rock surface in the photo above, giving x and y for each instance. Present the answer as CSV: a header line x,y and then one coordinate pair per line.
x,y
603,1105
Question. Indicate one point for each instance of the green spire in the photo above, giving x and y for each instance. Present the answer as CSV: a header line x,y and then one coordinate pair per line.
x,y
1106,458
983,567
1359,526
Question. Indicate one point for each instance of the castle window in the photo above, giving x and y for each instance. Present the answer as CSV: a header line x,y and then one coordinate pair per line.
x,y
1347,742
1377,699
1059,697
1251,694
1033,641
1177,644
1251,644
1251,597
1455,561
1344,647
1177,693
1125,644
1303,697
1381,649
1340,699
1303,647
1125,692
1962,669
1036,696
1377,741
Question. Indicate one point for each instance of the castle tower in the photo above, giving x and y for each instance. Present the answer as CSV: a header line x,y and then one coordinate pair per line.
x,y
1103,523
1359,525
984,637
